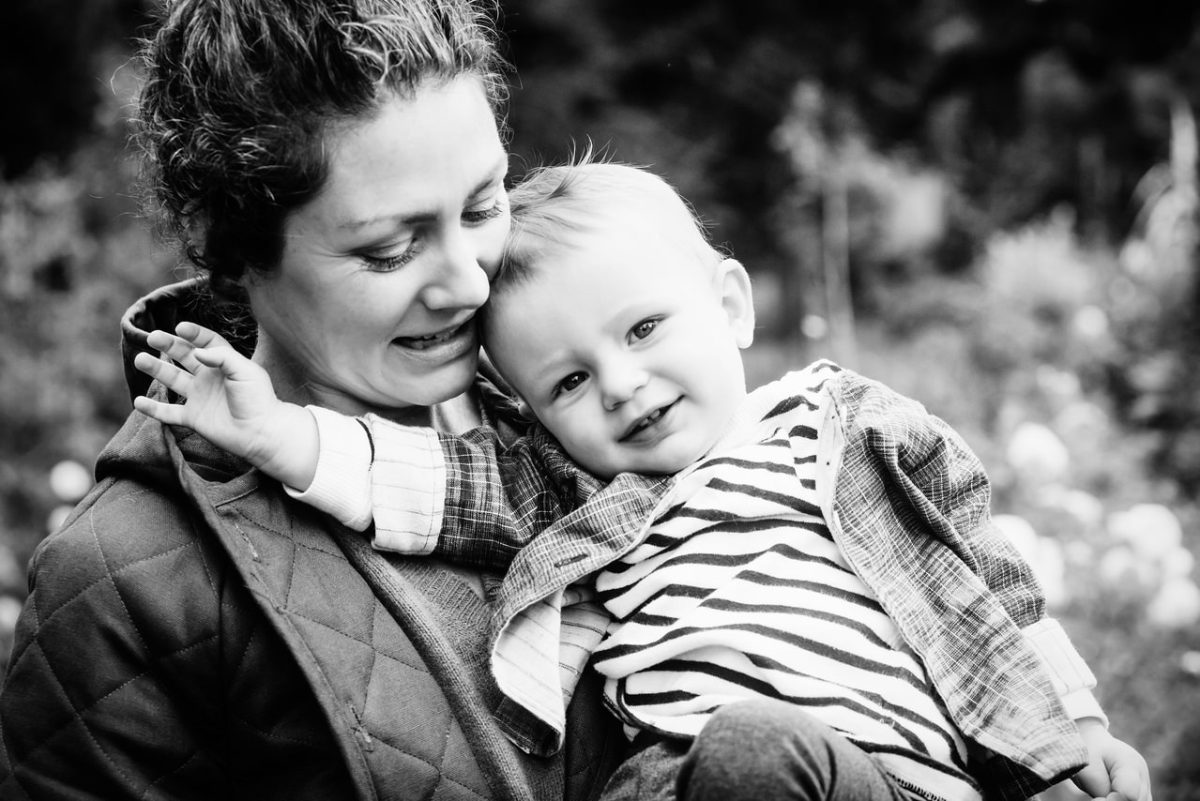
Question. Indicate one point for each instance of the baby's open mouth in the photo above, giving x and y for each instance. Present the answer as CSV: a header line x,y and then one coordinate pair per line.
x,y
648,420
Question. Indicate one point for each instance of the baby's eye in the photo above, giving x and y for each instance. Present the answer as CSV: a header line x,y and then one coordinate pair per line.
x,y
569,384
644,328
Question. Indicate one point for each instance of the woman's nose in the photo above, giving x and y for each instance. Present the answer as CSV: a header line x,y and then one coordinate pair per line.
x,y
461,281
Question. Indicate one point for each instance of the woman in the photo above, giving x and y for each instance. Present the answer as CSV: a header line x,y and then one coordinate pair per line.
x,y
192,632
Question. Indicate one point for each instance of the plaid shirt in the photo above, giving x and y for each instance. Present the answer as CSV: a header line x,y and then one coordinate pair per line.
x,y
909,508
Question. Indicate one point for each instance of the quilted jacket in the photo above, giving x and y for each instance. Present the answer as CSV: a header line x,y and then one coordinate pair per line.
x,y
192,633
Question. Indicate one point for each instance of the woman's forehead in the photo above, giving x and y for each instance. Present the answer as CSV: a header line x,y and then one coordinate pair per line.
x,y
414,155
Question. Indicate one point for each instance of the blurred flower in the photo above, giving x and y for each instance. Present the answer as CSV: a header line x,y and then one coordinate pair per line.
x,y
1037,456
1081,419
1085,508
1189,662
1090,323
10,610
70,481
57,516
1151,529
1062,385
1176,605
12,577
1079,553
1120,569
1137,258
814,326
1178,562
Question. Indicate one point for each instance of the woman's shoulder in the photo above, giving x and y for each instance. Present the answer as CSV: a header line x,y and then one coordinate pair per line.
x,y
127,540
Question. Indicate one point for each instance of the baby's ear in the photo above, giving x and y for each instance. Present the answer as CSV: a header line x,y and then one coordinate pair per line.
x,y
737,299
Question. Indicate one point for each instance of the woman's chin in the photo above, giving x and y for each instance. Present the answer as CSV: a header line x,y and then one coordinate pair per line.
x,y
440,382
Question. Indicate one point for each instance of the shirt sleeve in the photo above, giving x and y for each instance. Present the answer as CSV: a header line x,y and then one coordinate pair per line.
x,y
389,475
498,499
341,486
1073,680
469,498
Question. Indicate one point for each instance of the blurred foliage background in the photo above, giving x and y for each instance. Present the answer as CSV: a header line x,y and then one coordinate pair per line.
x,y
990,206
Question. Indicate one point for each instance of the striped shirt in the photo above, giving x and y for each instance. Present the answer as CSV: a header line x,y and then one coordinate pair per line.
x,y
739,591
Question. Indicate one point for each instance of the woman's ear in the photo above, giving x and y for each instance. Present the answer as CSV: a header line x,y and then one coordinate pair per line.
x,y
737,299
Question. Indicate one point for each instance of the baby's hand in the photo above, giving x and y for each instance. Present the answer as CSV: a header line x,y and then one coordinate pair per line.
x,y
231,402
1115,771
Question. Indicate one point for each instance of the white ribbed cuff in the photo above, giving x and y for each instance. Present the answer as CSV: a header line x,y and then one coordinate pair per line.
x,y
341,486
408,487
1072,679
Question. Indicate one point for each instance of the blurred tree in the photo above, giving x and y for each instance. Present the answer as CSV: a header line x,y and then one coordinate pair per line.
x,y
1024,104
50,54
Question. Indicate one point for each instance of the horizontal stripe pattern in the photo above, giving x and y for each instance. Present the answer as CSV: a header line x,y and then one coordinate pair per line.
x,y
740,591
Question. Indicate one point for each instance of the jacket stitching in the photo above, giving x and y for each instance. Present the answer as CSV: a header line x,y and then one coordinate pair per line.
x,y
362,642
110,575
77,714
173,771
442,777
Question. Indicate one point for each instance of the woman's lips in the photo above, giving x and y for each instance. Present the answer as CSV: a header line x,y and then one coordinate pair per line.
x,y
444,344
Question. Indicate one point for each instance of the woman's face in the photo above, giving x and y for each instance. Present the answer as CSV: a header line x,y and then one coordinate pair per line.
x,y
372,305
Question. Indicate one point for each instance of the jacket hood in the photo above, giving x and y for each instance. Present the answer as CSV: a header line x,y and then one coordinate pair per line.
x,y
165,308
145,449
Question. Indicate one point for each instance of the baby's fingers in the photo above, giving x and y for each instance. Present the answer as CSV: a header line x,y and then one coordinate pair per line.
x,y
200,336
1131,781
169,413
174,378
232,364
177,348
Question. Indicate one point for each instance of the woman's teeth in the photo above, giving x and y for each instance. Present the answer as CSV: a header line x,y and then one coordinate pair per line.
x,y
431,339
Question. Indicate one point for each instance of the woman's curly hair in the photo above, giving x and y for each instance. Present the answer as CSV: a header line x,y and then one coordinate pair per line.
x,y
239,96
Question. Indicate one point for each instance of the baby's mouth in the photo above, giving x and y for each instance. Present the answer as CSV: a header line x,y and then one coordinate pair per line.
x,y
648,420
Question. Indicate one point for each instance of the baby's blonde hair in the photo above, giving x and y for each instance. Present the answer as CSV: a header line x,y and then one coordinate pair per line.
x,y
552,204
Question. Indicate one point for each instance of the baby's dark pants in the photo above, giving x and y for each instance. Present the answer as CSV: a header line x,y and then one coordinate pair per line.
x,y
753,751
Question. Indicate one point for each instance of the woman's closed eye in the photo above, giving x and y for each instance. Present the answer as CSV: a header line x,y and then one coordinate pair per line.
x,y
386,261
486,208
481,213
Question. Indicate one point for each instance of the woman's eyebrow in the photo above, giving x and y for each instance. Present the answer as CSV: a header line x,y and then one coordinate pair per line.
x,y
497,173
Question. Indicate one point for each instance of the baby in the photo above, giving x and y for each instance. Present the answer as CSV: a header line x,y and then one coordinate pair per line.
x,y
821,541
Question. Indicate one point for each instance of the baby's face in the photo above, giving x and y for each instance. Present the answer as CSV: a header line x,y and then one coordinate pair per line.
x,y
628,350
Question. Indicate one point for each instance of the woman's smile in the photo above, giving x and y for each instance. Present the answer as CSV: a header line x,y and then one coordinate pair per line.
x,y
442,346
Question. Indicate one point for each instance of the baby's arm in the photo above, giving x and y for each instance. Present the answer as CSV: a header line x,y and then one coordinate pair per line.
x,y
960,492
230,402
472,498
